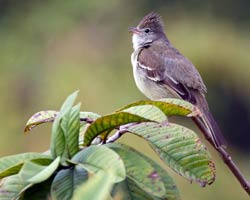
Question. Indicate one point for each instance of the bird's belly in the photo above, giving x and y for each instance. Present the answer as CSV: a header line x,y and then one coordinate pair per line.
x,y
149,88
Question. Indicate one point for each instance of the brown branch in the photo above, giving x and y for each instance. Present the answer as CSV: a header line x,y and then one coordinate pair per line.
x,y
116,136
225,156
87,120
120,132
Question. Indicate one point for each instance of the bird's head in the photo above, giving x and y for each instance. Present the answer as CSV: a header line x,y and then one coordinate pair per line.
x,y
150,29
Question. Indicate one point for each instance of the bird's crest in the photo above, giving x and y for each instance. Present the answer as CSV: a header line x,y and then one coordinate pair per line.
x,y
152,20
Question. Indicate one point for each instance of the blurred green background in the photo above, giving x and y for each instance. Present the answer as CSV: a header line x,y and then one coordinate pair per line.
x,y
49,49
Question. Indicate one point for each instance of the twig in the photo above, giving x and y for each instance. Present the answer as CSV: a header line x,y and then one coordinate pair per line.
x,y
86,119
225,156
121,131
116,136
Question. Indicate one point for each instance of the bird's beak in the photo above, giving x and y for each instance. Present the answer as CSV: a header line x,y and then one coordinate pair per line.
x,y
134,30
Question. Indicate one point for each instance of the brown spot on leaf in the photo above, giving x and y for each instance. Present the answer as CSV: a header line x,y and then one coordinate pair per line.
x,y
202,183
154,175
174,187
37,115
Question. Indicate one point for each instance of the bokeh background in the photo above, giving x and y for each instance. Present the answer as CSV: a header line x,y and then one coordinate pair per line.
x,y
49,49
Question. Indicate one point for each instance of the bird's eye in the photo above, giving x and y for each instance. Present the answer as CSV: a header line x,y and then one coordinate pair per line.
x,y
147,30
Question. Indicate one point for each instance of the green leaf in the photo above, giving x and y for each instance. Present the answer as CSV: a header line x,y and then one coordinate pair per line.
x,y
128,189
86,118
109,122
39,175
121,191
96,158
12,187
70,125
147,111
66,181
40,118
90,115
169,106
180,148
97,187
58,143
153,179
172,192
12,164
68,104
148,178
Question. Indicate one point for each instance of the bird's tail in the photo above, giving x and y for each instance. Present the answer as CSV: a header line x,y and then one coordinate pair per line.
x,y
206,122
220,139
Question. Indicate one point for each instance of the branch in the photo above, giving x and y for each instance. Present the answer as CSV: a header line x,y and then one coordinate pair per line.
x,y
87,120
116,136
225,156
121,131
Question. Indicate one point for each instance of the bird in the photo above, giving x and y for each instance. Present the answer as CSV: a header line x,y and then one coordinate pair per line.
x,y
161,71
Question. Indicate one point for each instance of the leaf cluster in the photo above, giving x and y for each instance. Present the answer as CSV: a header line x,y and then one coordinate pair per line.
x,y
86,162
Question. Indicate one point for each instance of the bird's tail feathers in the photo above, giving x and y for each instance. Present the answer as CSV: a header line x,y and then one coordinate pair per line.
x,y
207,121
213,133
216,133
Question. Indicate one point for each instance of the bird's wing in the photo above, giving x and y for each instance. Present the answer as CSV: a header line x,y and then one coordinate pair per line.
x,y
175,72
164,67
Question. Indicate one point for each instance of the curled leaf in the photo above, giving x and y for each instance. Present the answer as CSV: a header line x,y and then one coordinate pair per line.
x,y
40,118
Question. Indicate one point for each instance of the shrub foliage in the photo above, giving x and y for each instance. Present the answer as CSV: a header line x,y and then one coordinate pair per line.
x,y
86,162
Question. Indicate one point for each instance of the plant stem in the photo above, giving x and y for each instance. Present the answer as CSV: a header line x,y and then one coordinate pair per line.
x,y
116,136
225,156
122,130
87,120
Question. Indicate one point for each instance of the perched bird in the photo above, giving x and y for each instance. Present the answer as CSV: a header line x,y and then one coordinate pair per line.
x,y
161,71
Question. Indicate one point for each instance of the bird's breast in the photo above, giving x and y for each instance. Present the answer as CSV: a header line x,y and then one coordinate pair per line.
x,y
151,89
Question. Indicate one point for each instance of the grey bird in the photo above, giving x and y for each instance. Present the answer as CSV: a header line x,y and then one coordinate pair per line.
x,y
161,71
